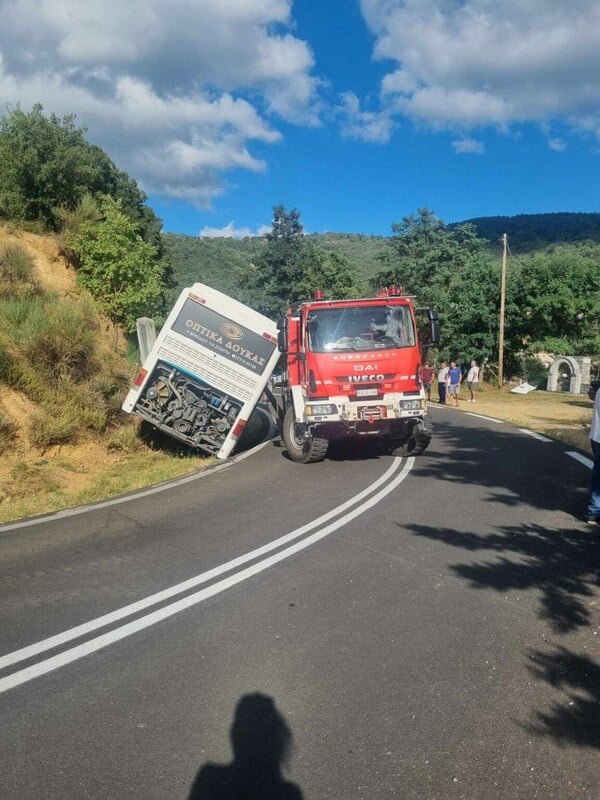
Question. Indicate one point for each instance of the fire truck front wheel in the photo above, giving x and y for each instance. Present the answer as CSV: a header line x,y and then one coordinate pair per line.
x,y
301,447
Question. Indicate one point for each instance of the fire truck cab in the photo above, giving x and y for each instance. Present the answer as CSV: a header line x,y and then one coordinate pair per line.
x,y
352,368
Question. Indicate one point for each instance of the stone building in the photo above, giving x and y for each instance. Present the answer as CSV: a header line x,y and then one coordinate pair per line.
x,y
570,374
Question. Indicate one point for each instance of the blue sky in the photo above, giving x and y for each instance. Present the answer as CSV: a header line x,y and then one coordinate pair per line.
x,y
355,112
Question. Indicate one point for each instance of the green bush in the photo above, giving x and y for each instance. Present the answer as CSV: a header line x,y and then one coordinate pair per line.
x,y
5,359
110,385
125,439
8,432
58,337
27,379
48,429
534,372
16,265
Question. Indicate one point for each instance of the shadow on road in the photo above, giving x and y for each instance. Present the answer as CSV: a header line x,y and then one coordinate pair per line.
x,y
261,742
578,720
562,566
562,563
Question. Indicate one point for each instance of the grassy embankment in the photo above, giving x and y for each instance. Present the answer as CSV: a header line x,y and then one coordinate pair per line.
x,y
63,439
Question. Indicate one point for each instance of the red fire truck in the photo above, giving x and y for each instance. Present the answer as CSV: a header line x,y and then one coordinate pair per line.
x,y
352,368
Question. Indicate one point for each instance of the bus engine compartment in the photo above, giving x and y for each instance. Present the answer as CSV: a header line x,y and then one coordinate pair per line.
x,y
186,408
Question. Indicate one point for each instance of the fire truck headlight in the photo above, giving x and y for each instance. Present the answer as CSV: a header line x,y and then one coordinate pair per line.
x,y
410,405
321,409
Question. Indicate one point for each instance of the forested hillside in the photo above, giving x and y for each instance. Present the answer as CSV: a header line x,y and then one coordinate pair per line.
x,y
528,232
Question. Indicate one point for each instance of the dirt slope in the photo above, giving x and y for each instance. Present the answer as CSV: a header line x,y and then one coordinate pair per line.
x,y
24,470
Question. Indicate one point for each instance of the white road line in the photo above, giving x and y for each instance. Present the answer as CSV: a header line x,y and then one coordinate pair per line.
x,y
482,416
165,594
582,459
535,435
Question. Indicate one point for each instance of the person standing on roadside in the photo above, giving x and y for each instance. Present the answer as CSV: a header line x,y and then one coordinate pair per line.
x,y
426,378
454,381
442,379
593,509
473,380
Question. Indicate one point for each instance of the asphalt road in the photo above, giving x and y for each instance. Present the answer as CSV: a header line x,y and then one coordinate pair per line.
x,y
422,628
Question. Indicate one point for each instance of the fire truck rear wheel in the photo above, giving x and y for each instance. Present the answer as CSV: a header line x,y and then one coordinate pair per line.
x,y
301,448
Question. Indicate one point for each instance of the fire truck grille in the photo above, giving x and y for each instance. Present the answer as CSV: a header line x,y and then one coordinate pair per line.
x,y
369,412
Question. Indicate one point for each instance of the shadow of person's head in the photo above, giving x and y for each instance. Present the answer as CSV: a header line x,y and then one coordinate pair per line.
x,y
261,742
259,733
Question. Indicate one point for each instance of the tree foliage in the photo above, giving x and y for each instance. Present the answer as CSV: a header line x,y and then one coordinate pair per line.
x,y
555,300
552,296
552,300
47,166
446,268
120,270
291,267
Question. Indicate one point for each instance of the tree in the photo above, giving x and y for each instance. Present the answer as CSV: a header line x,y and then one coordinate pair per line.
x,y
120,270
329,272
448,269
291,267
46,165
470,316
286,225
558,293
424,255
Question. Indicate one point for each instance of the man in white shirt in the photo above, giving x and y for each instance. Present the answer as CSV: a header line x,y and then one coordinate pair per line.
x,y
473,380
593,509
442,378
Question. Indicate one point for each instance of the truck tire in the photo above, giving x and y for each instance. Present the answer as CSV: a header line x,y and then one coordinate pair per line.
x,y
301,449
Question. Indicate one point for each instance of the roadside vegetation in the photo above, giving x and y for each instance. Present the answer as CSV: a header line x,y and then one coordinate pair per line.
x,y
82,255
63,438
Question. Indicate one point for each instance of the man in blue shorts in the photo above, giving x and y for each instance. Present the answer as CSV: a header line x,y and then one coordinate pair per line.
x,y
454,381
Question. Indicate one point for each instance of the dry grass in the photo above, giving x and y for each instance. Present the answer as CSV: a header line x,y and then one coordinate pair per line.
x,y
565,417
63,481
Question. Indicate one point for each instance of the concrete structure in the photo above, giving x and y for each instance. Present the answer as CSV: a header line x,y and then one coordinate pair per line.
x,y
569,374
146,332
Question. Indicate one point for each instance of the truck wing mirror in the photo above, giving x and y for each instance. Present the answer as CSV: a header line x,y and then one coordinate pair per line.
x,y
432,337
282,342
434,326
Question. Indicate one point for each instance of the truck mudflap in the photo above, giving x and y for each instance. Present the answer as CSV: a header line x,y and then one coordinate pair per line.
x,y
422,434
418,440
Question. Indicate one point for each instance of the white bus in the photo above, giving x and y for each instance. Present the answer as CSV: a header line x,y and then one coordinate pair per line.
x,y
207,370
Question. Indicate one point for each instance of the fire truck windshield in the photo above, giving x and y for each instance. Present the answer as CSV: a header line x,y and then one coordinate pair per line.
x,y
360,328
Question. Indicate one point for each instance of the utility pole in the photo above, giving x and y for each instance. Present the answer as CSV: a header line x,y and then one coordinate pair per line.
x,y
502,305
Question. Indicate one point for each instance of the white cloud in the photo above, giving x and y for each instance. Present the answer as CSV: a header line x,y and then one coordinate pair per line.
x,y
367,126
558,145
468,146
231,232
176,91
459,65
